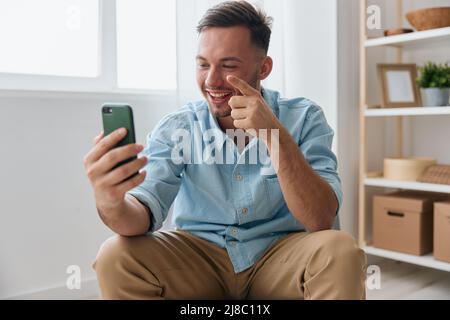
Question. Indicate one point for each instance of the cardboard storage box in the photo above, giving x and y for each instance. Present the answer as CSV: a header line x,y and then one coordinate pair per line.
x,y
442,231
403,221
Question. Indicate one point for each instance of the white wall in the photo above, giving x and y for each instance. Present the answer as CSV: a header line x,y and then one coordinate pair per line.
x,y
47,213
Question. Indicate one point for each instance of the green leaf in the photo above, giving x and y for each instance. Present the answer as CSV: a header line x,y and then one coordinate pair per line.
x,y
434,75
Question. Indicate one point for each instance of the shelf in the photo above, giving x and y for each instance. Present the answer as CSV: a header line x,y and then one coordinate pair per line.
x,y
410,38
420,111
401,47
425,261
407,185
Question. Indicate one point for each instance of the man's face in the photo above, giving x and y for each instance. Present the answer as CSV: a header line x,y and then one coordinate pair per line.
x,y
223,52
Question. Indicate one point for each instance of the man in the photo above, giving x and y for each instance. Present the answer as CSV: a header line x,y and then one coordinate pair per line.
x,y
243,230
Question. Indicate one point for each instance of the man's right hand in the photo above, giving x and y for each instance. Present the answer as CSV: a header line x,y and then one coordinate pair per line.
x,y
110,185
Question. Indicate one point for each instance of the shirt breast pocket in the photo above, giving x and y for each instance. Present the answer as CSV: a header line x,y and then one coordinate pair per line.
x,y
273,192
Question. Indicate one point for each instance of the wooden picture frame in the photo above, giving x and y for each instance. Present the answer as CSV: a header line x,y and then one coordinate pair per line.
x,y
398,85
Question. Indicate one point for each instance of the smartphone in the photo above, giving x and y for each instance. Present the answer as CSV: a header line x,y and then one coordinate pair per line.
x,y
116,116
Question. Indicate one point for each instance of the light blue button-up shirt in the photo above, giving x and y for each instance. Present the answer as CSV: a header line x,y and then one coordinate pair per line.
x,y
219,194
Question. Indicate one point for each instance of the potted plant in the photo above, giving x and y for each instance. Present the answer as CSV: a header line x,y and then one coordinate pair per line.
x,y
434,81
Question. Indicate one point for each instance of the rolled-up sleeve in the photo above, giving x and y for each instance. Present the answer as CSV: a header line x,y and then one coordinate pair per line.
x,y
315,143
163,179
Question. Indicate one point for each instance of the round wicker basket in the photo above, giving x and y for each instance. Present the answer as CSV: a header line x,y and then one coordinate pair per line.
x,y
429,18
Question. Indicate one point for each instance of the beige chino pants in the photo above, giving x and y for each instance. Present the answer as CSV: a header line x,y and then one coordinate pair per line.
x,y
178,265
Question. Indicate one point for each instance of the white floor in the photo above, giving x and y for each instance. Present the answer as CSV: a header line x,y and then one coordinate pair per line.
x,y
402,281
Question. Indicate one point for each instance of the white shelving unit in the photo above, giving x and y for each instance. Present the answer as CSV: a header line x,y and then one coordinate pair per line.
x,y
425,261
406,185
410,41
391,112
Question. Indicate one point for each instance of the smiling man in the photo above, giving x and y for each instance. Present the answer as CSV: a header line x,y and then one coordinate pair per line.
x,y
242,231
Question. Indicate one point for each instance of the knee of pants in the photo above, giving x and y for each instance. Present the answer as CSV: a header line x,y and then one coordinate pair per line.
x,y
340,248
111,255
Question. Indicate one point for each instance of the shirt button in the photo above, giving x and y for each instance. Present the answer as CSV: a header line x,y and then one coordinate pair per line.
x,y
233,231
233,243
239,177
245,211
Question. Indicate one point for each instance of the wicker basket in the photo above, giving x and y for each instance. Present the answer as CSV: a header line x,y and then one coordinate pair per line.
x,y
429,18
439,174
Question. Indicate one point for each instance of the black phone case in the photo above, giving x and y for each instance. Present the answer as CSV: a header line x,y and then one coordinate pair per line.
x,y
119,116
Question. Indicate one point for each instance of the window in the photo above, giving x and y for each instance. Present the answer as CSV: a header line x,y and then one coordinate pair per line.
x,y
50,37
146,44
88,45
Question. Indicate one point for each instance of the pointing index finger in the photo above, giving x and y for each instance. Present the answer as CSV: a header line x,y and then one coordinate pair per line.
x,y
242,86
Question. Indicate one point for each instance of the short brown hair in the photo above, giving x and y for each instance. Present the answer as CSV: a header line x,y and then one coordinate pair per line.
x,y
240,13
